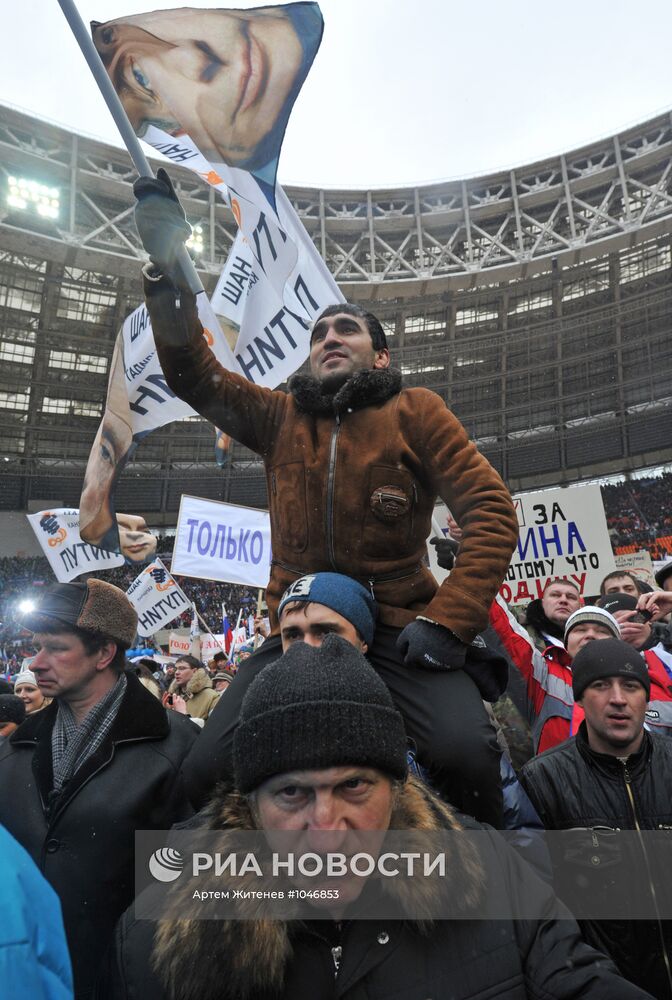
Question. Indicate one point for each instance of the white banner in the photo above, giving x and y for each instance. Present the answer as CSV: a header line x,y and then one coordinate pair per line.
x,y
57,532
222,541
179,645
637,563
211,644
562,533
152,403
228,130
274,282
157,599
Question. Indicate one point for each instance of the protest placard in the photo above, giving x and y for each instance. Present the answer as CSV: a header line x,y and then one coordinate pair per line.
x,y
57,531
157,598
637,563
562,534
222,541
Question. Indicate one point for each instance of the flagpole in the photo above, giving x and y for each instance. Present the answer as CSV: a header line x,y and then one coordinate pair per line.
x,y
207,629
193,603
120,117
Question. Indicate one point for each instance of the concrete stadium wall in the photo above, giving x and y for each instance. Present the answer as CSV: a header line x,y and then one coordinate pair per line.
x,y
17,538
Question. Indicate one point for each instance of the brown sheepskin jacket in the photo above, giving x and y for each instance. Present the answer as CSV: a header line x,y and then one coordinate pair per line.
x,y
353,478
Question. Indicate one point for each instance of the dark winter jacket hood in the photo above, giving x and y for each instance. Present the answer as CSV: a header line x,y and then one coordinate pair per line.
x,y
250,955
365,388
536,617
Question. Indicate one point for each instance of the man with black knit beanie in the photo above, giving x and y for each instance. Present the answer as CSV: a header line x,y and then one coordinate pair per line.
x,y
320,755
612,776
78,778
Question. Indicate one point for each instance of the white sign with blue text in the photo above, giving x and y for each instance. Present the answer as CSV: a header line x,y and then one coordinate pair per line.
x,y
222,541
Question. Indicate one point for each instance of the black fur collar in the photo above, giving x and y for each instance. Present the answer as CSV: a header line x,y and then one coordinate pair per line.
x,y
192,958
366,388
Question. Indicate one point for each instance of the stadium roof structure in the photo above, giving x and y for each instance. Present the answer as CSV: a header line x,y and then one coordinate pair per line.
x,y
537,301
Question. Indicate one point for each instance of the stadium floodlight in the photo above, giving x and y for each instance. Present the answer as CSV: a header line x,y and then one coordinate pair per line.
x,y
25,607
29,195
195,241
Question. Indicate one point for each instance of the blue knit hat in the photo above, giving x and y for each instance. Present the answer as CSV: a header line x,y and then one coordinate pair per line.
x,y
340,593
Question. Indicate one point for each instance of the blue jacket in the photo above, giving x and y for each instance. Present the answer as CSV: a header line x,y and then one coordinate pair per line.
x,y
34,959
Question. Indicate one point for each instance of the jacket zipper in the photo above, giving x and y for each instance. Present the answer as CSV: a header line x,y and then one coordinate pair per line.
x,y
330,493
631,797
336,954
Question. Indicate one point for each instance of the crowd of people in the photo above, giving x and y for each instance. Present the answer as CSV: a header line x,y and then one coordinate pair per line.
x,y
358,735
23,579
638,514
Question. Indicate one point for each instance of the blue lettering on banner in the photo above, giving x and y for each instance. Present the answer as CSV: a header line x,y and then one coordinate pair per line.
x,y
134,370
157,613
240,274
256,538
539,539
572,536
192,522
178,154
222,543
203,548
145,391
70,557
301,286
260,229
138,323
270,348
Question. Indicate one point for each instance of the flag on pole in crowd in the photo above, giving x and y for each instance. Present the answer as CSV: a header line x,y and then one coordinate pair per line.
x,y
195,633
157,599
57,531
227,631
228,129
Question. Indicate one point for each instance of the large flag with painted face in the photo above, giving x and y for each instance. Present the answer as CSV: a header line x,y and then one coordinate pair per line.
x,y
212,90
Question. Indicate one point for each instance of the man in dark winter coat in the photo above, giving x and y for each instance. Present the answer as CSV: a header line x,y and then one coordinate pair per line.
x,y
354,463
321,751
613,776
79,778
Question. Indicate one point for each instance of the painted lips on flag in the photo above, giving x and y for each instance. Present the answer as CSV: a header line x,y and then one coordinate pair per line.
x,y
212,90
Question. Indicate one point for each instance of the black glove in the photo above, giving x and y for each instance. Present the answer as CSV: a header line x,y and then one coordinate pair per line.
x,y
446,550
160,220
423,644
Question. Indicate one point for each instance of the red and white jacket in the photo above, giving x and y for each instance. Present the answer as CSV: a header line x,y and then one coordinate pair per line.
x,y
548,678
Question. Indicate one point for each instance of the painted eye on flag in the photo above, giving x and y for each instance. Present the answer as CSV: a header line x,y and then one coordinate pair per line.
x,y
141,78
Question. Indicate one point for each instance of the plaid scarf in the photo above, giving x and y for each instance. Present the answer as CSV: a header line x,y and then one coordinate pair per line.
x,y
72,744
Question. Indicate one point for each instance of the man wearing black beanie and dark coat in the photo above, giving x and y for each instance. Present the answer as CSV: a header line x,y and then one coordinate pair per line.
x,y
321,749
613,776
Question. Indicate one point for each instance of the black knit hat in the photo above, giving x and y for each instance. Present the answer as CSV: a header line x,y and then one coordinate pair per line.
x,y
608,658
314,709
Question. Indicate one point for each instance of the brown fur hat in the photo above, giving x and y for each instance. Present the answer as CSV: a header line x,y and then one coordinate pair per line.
x,y
91,605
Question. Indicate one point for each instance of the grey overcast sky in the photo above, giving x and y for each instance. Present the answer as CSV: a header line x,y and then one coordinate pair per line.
x,y
405,91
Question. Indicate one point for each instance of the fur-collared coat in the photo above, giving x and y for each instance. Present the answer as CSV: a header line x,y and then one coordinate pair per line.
x,y
462,959
198,693
353,478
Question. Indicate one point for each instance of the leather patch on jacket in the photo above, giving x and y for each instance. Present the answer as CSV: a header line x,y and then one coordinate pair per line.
x,y
389,502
